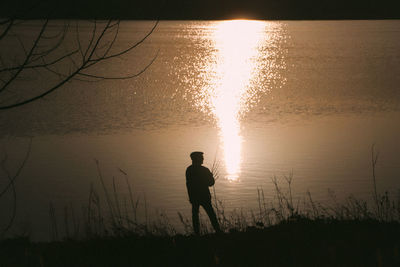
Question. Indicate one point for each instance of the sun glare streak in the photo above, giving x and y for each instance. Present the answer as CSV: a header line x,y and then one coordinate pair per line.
x,y
236,44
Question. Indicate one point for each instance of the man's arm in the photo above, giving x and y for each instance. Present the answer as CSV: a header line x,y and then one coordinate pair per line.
x,y
210,178
187,174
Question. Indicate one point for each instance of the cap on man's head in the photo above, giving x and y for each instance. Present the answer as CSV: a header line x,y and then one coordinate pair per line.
x,y
196,154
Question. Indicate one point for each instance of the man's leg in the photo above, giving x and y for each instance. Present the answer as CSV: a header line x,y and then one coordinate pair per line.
x,y
211,214
195,218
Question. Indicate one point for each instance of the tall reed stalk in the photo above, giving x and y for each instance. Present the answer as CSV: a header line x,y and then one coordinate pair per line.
x,y
122,216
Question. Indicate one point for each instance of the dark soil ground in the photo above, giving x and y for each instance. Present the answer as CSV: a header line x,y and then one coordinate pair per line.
x,y
302,242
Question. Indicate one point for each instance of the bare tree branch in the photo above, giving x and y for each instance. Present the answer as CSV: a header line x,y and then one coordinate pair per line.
x,y
13,178
8,28
66,61
43,53
22,45
91,40
14,206
13,77
133,46
111,44
78,40
43,64
120,77
95,46
29,100
5,21
11,184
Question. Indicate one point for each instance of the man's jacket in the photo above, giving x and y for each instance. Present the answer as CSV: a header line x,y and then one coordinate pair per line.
x,y
198,179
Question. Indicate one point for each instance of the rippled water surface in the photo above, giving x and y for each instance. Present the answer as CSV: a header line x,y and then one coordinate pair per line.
x,y
261,98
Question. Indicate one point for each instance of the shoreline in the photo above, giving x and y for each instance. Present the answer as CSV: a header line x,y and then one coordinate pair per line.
x,y
300,242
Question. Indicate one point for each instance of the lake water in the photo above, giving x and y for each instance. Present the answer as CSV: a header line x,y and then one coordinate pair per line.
x,y
262,98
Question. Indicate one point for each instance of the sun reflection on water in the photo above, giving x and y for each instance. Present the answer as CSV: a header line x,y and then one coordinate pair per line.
x,y
237,45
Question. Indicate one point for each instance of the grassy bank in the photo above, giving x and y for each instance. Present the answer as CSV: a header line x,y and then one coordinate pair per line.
x,y
281,232
278,234
299,242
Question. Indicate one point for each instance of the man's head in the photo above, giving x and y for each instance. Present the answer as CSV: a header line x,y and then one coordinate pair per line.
x,y
197,157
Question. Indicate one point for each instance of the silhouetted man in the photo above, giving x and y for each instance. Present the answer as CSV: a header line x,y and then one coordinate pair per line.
x,y
198,179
